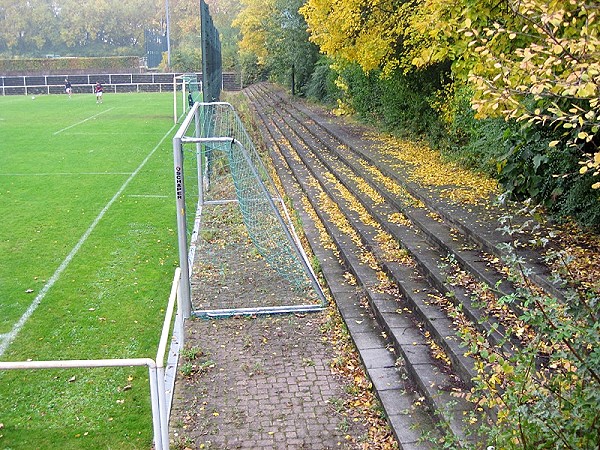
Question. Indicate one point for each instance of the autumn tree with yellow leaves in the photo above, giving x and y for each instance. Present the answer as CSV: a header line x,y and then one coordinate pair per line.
x,y
275,42
532,63
252,22
526,60
553,76
530,70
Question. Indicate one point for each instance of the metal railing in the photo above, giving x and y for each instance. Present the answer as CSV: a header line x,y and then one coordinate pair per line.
x,y
161,376
112,83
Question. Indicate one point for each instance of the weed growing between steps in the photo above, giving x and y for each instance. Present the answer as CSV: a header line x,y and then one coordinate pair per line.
x,y
547,394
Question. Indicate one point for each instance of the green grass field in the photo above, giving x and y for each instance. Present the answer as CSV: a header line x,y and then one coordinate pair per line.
x,y
87,255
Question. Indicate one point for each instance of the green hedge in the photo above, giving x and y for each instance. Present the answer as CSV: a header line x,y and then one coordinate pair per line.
x,y
65,65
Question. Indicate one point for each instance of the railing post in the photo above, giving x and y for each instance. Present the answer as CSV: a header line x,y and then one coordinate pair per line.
x,y
160,424
162,403
156,408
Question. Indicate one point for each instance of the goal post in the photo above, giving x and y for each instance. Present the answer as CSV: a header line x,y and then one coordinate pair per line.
x,y
239,193
182,86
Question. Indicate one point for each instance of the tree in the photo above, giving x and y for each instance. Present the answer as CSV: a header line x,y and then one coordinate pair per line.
x,y
290,54
253,24
553,76
98,27
27,27
526,60
367,32
223,13
274,36
105,24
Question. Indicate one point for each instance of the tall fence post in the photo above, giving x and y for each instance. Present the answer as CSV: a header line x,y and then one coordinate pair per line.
x,y
199,157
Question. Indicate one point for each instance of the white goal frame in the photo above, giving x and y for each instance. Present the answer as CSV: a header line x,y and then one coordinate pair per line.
x,y
187,249
180,80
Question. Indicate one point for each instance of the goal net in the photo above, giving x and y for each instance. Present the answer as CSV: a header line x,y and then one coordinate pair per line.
x,y
241,235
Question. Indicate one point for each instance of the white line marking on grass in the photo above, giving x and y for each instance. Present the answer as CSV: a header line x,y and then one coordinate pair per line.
x,y
83,121
8,338
148,196
47,174
107,133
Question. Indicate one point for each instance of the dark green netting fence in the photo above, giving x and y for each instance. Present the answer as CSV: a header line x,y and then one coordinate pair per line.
x,y
212,70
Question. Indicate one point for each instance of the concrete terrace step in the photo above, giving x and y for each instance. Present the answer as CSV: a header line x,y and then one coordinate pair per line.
x,y
427,259
318,156
477,225
403,331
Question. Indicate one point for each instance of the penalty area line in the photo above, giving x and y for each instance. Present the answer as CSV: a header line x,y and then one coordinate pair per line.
x,y
8,338
83,121
148,196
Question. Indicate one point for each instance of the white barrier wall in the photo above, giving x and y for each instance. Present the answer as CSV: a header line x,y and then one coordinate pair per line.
x,y
84,84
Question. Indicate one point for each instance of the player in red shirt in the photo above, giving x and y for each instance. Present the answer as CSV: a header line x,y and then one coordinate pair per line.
x,y
98,90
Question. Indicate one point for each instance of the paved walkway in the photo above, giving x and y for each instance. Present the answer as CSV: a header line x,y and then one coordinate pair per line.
x,y
266,383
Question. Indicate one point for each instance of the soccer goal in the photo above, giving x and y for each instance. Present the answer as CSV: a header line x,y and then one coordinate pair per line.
x,y
184,86
241,237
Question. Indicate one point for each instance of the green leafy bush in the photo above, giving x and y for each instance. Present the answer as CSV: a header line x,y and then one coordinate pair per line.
x,y
400,103
548,175
364,94
475,144
252,72
184,59
546,394
520,157
406,103
321,85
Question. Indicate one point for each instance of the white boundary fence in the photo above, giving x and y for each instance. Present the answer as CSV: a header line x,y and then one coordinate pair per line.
x,y
112,83
161,376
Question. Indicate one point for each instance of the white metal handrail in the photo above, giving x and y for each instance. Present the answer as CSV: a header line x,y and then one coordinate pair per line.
x,y
177,341
156,368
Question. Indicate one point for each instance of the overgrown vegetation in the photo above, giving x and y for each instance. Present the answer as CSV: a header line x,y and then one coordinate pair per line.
x,y
528,118
546,394
510,89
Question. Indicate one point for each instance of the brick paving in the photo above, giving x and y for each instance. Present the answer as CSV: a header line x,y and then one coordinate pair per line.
x,y
261,383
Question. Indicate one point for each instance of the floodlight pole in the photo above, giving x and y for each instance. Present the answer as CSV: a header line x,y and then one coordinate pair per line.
x,y
168,35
